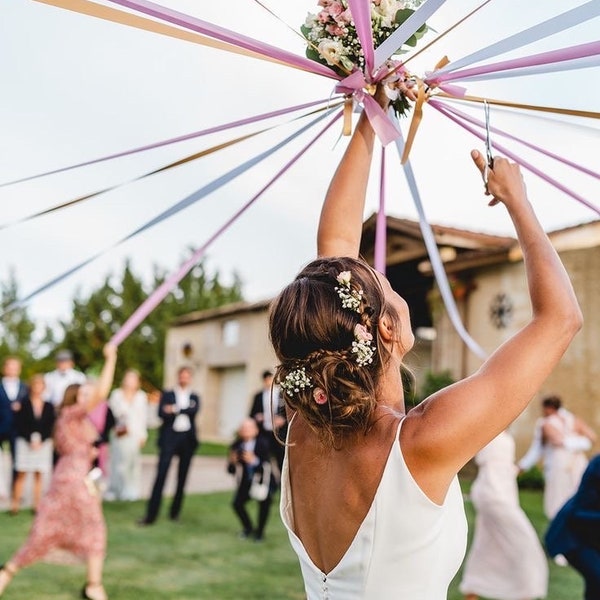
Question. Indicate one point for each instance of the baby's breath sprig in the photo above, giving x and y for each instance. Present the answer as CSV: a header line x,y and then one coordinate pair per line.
x,y
295,381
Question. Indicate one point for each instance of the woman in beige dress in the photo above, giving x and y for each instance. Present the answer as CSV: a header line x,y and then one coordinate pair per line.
x,y
506,560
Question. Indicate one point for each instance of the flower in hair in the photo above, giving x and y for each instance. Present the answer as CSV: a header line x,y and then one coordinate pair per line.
x,y
295,381
350,297
361,346
319,395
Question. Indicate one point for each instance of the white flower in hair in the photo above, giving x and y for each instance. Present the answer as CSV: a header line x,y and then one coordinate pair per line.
x,y
351,298
361,346
295,381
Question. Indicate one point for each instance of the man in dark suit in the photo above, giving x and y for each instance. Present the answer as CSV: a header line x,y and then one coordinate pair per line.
x,y
12,393
249,454
575,530
269,414
177,437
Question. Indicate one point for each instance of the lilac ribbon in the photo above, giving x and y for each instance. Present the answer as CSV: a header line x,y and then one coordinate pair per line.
x,y
159,294
553,56
174,140
517,159
381,224
361,15
561,22
505,134
226,35
386,129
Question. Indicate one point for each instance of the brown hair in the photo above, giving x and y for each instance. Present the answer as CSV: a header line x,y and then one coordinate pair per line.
x,y
309,328
70,396
553,402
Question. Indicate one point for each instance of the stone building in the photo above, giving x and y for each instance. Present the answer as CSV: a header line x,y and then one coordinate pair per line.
x,y
229,347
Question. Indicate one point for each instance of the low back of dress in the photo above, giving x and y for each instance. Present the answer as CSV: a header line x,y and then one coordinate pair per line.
x,y
407,547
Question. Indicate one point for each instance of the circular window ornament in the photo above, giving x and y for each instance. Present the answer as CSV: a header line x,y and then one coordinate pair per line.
x,y
501,311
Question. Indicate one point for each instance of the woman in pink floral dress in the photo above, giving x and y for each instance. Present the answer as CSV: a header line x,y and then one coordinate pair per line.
x,y
70,514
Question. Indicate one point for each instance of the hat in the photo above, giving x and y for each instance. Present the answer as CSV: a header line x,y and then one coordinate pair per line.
x,y
63,355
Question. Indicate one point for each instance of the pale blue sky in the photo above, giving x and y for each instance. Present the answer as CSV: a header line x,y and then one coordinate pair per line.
x,y
75,88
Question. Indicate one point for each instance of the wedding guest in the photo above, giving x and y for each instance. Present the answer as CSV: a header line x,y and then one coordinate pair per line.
x,y
250,454
369,493
506,559
69,515
35,423
575,530
269,413
12,392
129,405
177,437
560,441
63,375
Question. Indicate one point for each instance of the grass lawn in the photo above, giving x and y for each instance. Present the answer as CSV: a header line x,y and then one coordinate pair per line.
x,y
202,558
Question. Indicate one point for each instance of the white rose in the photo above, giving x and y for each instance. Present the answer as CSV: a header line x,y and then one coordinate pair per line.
x,y
331,51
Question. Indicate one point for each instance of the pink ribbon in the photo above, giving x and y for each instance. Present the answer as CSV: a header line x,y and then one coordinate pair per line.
x,y
384,127
361,14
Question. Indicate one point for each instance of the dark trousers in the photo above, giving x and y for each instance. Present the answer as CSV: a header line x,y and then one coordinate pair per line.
x,y
276,448
240,500
182,445
587,562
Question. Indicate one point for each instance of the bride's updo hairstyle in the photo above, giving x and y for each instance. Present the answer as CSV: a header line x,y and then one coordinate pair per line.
x,y
324,329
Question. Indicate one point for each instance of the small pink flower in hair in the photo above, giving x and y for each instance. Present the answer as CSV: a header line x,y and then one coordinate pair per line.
x,y
320,396
361,334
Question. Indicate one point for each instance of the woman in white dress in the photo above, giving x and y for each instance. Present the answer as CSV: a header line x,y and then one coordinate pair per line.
x,y
369,493
129,405
506,560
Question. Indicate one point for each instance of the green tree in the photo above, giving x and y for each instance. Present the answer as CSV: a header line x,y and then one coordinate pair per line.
x,y
96,317
18,335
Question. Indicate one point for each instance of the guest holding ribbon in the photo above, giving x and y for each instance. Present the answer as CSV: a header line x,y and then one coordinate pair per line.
x,y
369,493
69,516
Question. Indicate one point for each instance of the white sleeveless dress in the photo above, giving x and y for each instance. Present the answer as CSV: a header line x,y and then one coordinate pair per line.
x,y
407,547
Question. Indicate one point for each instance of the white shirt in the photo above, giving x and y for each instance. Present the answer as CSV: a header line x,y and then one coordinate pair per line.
x,y
58,381
11,387
132,413
182,401
270,407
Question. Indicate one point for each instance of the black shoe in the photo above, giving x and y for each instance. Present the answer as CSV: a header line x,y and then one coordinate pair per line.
x,y
174,518
144,522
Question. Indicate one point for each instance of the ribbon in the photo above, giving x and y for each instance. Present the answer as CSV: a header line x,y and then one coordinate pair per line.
x,y
355,85
436,262
159,294
568,54
179,206
527,165
539,149
361,15
167,167
551,109
174,140
379,257
561,22
221,33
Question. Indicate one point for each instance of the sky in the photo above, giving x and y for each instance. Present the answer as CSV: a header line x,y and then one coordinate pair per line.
x,y
75,88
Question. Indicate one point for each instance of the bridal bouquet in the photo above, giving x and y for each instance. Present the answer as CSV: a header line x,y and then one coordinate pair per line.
x,y
333,41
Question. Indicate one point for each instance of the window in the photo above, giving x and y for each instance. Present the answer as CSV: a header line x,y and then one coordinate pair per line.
x,y
231,333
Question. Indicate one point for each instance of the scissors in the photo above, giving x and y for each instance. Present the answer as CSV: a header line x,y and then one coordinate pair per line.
x,y
489,157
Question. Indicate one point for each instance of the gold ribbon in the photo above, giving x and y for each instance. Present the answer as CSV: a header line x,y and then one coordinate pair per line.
x,y
123,18
422,97
551,109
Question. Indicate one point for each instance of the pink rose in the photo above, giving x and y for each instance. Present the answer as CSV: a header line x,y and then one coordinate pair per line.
x,y
335,9
335,30
323,16
361,334
345,17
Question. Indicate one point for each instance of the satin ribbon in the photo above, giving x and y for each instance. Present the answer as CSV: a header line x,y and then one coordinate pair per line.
x,y
181,138
159,294
176,208
436,261
225,35
527,165
561,22
564,161
379,255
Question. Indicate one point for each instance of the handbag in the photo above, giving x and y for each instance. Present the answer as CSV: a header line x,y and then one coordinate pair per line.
x,y
260,486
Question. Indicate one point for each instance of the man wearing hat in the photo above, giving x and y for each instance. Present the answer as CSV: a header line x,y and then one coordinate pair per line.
x,y
64,375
